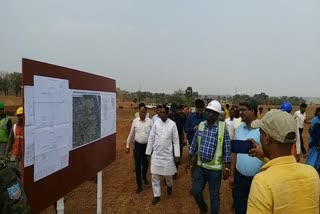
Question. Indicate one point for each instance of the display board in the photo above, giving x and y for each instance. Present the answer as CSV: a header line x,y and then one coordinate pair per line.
x,y
70,129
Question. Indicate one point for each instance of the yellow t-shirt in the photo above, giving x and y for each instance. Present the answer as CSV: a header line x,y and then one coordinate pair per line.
x,y
284,186
226,111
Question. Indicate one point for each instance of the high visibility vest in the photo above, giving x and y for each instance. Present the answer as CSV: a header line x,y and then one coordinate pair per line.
x,y
216,162
18,145
4,132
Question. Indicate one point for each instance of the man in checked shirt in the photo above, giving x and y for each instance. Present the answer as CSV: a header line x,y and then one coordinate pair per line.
x,y
212,144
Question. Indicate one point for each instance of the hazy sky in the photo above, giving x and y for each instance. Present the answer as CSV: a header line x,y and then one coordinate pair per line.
x,y
270,46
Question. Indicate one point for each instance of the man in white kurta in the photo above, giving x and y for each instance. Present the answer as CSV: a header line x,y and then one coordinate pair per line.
x,y
163,146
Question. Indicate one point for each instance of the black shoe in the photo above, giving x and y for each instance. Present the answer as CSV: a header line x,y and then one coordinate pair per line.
x,y
169,190
139,190
204,211
155,200
145,181
175,176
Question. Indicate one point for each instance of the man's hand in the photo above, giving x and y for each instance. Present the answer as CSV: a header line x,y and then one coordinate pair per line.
x,y
127,150
148,157
177,160
298,156
231,182
256,151
184,142
225,173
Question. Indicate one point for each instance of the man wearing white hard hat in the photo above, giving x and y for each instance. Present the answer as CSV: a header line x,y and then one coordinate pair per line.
x,y
212,145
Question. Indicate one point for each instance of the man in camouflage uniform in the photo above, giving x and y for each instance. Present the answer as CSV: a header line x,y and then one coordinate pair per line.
x,y
12,197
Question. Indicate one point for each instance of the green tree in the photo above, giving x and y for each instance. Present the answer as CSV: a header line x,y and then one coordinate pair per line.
x,y
16,82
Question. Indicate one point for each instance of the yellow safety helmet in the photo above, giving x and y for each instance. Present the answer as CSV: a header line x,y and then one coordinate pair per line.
x,y
19,111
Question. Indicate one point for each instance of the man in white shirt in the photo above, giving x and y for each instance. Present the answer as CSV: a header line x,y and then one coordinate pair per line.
x,y
156,116
300,117
230,121
140,129
163,147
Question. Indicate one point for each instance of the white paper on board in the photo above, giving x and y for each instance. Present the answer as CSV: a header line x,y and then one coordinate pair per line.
x,y
29,146
47,89
28,105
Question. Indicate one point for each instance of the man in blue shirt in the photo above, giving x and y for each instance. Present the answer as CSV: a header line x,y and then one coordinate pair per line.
x,y
191,127
244,167
212,144
194,119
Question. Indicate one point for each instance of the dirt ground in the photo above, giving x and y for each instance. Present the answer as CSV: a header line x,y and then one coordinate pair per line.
x,y
119,184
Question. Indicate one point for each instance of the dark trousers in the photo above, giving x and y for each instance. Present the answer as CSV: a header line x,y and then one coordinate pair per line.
x,y
201,177
178,163
241,192
141,161
301,141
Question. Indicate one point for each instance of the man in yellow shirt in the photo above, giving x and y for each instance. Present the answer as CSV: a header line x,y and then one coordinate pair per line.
x,y
260,113
283,185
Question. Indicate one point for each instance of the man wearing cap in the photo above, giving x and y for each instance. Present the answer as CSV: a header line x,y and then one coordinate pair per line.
x,y
283,185
212,144
5,127
296,148
244,167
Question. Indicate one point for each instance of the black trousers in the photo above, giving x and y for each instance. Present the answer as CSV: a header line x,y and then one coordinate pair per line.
x,y
301,141
141,162
181,151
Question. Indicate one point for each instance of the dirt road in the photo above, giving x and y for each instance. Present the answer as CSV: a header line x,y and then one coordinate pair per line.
x,y
119,186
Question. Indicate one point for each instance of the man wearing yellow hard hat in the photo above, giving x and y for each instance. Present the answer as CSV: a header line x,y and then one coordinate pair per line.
x,y
16,141
5,127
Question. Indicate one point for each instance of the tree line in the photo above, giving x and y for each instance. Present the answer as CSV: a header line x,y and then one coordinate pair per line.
x,y
10,81
188,96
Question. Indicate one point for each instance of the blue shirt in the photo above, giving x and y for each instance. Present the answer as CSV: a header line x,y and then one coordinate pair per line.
x,y
246,165
209,144
314,121
192,121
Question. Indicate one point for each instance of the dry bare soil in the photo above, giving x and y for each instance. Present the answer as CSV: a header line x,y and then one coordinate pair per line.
x,y
119,182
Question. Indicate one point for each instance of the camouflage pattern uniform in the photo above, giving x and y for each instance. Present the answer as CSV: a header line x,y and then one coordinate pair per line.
x,y
12,197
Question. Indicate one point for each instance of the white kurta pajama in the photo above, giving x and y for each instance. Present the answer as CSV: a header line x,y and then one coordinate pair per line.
x,y
163,140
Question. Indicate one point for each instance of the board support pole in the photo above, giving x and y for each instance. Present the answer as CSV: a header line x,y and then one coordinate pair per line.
x,y
99,192
60,206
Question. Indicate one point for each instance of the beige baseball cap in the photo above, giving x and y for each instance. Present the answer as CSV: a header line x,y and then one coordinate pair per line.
x,y
278,124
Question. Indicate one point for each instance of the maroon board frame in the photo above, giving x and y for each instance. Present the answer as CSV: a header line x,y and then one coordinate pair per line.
x,y
84,162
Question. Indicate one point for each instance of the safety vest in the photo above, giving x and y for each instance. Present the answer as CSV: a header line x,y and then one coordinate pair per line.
x,y
18,145
216,162
4,132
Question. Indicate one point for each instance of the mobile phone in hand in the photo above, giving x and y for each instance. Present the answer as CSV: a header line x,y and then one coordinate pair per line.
x,y
241,146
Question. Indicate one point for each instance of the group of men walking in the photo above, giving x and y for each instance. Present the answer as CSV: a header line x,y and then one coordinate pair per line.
x,y
252,176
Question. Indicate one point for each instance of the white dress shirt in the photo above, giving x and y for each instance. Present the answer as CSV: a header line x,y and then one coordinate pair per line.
x,y
300,118
140,129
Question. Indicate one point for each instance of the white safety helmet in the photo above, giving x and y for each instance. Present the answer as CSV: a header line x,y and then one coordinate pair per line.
x,y
214,106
